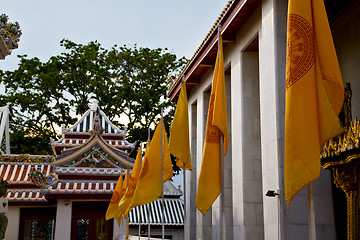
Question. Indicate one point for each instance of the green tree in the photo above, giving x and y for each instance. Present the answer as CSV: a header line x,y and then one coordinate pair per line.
x,y
128,81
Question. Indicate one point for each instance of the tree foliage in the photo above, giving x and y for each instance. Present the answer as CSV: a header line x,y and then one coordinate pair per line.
x,y
128,81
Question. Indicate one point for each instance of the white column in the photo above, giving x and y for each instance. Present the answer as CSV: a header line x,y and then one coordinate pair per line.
x,y
63,220
191,181
272,82
12,230
236,141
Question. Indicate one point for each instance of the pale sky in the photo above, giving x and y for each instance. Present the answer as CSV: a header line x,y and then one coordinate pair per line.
x,y
179,25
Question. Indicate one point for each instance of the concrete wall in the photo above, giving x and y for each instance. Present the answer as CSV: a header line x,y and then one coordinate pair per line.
x,y
346,35
176,234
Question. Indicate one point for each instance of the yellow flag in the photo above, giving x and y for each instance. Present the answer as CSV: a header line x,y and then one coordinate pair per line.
x,y
149,186
179,144
314,93
112,208
167,165
209,185
129,193
122,192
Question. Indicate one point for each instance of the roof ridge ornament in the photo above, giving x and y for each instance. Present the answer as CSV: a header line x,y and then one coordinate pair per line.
x,y
94,105
97,129
39,178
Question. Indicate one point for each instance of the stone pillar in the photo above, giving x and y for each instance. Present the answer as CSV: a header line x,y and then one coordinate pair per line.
x,y
63,219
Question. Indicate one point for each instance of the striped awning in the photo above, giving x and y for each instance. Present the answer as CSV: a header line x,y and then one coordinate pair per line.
x,y
173,213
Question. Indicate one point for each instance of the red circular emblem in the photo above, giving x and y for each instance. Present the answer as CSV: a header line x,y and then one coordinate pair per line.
x,y
212,134
300,49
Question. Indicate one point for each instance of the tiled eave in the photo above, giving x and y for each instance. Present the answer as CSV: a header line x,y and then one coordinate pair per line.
x,y
26,197
18,173
231,20
74,171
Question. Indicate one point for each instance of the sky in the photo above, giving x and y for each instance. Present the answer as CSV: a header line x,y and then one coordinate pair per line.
x,y
178,25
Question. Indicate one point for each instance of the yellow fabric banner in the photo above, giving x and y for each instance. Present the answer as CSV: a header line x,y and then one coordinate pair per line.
x,y
149,186
123,189
209,185
314,93
179,144
112,208
129,193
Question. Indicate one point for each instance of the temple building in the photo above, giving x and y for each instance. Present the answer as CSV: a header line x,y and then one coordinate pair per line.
x,y
66,195
254,36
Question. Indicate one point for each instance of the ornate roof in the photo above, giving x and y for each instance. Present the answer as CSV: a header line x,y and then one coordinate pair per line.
x,y
81,170
9,36
81,131
95,152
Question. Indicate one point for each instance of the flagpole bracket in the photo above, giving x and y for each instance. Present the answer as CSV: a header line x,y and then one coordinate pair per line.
x,y
272,193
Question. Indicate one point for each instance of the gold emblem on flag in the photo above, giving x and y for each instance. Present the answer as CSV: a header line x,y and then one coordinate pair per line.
x,y
300,49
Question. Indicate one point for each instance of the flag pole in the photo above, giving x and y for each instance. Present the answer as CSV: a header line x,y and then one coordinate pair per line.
x,y
184,183
222,211
139,222
162,179
139,233
148,205
311,213
127,227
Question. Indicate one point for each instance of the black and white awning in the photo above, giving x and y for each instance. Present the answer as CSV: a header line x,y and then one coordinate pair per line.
x,y
173,213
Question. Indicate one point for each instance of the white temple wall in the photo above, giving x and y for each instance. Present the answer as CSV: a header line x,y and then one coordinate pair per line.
x,y
257,111
12,230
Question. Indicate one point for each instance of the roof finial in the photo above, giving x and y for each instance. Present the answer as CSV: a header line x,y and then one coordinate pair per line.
x,y
94,105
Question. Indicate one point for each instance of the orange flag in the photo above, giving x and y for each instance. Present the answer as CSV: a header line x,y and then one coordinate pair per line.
x,y
179,144
314,93
209,185
129,193
149,186
112,208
